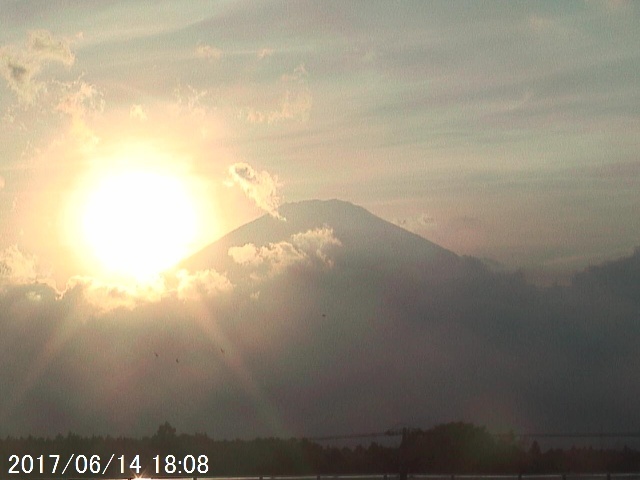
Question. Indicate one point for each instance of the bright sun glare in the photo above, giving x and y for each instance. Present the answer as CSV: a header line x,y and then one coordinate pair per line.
x,y
138,223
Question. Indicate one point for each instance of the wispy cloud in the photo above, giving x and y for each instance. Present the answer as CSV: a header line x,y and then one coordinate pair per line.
x,y
47,47
20,67
16,267
299,74
78,99
208,52
261,187
189,99
417,224
264,53
295,102
136,111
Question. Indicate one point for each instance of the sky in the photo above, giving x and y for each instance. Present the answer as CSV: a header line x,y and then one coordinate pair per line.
x,y
504,130
135,134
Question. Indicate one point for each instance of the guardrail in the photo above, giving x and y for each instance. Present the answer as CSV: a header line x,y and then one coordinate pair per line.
x,y
396,476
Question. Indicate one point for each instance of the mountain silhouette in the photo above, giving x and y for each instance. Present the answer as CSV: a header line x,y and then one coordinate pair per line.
x,y
364,237
330,321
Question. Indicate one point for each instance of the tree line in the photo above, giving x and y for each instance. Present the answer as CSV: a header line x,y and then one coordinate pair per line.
x,y
452,448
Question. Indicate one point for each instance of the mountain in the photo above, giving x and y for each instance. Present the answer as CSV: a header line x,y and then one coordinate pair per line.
x,y
364,238
399,329
334,288
331,321
356,314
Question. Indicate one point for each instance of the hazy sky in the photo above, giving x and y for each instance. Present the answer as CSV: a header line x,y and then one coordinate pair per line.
x,y
133,134
506,130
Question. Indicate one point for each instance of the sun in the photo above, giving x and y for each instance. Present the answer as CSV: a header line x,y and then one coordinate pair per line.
x,y
138,223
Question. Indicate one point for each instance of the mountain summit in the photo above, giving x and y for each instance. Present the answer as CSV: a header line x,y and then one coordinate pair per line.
x,y
363,237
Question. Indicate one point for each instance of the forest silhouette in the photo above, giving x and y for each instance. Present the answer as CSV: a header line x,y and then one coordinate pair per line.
x,y
452,448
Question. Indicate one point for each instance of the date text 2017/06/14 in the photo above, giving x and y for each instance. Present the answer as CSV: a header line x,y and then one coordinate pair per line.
x,y
81,464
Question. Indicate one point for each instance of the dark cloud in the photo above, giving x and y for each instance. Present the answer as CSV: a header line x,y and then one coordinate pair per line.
x,y
372,341
17,73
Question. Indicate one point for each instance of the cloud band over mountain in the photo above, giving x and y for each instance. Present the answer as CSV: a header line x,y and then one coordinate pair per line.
x,y
367,334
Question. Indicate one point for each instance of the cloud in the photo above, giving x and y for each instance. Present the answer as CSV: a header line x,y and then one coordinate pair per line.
x,y
540,24
33,296
208,52
16,267
189,99
47,47
18,74
309,248
316,243
20,68
203,283
246,255
417,224
261,187
299,74
137,112
517,333
264,53
295,103
105,296
295,106
267,261
77,100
